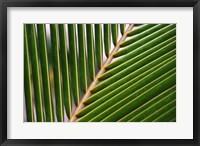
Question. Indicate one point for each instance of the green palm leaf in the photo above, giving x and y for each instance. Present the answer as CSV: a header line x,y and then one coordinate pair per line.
x,y
32,43
150,107
27,80
73,62
90,51
57,74
65,70
136,82
122,28
45,72
107,39
114,28
98,44
82,57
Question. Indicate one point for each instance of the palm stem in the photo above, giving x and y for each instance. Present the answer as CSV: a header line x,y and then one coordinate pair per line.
x,y
101,71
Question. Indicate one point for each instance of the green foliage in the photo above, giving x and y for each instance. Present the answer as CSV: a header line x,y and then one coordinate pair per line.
x,y
32,45
65,70
45,72
82,57
114,28
98,45
90,51
135,82
27,80
107,39
73,62
56,70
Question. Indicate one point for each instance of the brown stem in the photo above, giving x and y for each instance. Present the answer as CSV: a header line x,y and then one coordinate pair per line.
x,y
101,71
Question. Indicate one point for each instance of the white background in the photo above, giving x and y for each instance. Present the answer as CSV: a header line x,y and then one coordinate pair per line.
x,y
182,129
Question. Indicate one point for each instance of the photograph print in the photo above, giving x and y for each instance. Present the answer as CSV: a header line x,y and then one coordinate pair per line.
x,y
99,72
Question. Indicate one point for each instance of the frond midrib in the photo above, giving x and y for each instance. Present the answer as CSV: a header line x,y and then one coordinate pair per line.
x,y
101,71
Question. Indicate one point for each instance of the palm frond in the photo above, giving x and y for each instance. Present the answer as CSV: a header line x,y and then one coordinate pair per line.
x,y
136,81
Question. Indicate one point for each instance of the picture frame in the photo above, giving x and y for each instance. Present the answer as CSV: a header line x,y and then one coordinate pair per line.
x,y
99,3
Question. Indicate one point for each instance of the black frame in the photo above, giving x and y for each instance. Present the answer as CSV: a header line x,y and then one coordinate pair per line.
x,y
4,4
